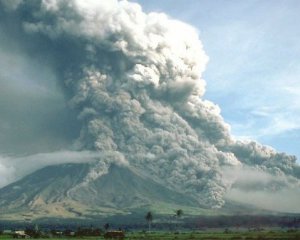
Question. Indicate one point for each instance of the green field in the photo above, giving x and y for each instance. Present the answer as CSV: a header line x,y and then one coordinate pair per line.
x,y
217,235
198,235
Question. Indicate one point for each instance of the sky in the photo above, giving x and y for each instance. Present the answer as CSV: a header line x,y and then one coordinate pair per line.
x,y
254,67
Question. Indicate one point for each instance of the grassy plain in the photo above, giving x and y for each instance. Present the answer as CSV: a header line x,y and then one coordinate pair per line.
x,y
205,235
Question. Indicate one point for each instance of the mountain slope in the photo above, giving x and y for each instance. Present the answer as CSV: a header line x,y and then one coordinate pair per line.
x,y
62,191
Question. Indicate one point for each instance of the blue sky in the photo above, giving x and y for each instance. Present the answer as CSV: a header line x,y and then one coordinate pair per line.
x,y
254,68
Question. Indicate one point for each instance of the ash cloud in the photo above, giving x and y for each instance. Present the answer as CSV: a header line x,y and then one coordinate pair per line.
x,y
135,81
30,101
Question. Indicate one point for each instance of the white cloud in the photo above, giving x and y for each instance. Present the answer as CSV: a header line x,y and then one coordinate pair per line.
x,y
12,169
285,200
266,190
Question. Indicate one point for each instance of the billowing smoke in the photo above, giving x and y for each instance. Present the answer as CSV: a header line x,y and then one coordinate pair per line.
x,y
135,81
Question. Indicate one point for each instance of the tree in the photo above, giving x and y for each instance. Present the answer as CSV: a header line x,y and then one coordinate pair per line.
x,y
178,214
106,226
149,218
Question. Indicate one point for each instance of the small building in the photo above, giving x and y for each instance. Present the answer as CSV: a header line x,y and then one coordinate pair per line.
x,y
20,234
114,234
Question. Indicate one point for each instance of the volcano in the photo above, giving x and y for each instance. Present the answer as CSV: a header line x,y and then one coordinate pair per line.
x,y
133,84
62,191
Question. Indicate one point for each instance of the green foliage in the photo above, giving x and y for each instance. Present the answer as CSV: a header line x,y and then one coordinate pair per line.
x,y
149,217
106,226
5,236
179,213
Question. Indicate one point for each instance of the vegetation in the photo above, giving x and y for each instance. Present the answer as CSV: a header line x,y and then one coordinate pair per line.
x,y
205,235
201,227
149,219
106,226
179,213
